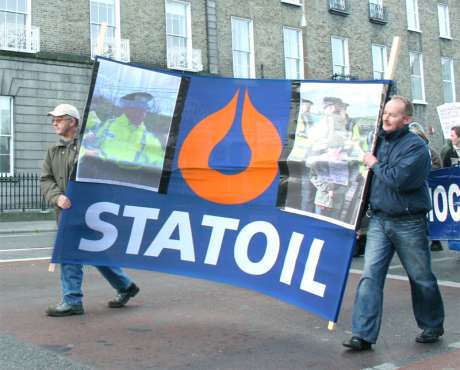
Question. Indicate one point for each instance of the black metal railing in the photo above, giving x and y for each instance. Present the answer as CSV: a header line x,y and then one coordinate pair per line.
x,y
340,7
377,13
21,192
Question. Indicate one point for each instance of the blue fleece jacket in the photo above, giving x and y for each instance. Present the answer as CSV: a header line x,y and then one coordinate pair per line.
x,y
399,183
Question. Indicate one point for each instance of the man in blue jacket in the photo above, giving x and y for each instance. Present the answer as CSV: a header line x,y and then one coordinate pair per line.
x,y
398,203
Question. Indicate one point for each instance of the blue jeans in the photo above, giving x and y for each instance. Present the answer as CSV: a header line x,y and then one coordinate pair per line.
x,y
408,237
72,278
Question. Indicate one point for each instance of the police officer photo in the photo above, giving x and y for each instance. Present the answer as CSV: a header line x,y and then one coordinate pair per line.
x,y
121,149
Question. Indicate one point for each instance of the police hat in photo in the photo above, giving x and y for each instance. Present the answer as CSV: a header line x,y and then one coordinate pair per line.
x,y
337,102
136,100
305,100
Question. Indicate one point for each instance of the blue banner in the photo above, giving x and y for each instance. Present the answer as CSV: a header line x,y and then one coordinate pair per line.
x,y
445,194
207,177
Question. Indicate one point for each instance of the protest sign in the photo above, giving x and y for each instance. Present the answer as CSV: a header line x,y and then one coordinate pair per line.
x,y
204,177
449,116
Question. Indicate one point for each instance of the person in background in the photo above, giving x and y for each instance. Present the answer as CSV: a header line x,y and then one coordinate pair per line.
x,y
451,151
57,168
399,201
436,163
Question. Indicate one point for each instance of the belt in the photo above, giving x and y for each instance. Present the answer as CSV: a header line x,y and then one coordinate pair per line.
x,y
383,214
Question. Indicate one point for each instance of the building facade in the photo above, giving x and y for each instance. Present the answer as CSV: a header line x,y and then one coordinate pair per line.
x,y
47,51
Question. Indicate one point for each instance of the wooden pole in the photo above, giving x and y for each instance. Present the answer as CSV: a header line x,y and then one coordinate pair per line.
x,y
392,61
100,39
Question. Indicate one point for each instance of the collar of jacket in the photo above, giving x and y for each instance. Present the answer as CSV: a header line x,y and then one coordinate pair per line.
x,y
394,134
66,143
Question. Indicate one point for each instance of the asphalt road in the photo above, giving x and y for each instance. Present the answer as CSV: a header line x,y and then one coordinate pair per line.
x,y
182,323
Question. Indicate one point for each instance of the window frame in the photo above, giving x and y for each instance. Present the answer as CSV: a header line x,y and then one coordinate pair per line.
x,y
443,15
345,55
384,60
28,19
11,136
415,15
300,57
252,66
421,76
293,2
188,30
117,30
451,82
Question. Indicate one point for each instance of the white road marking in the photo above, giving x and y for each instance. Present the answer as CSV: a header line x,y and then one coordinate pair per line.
x,y
25,259
447,283
433,260
24,249
11,235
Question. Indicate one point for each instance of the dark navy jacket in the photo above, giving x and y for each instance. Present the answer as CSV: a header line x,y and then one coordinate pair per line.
x,y
399,183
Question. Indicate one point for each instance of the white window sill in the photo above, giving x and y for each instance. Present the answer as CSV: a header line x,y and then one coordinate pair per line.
x,y
420,102
292,2
414,30
445,37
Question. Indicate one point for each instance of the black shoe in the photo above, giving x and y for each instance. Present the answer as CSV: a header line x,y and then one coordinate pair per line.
x,y
429,335
65,309
436,246
357,344
123,297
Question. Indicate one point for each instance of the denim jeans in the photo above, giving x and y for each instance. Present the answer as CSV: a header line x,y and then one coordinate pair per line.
x,y
72,278
408,237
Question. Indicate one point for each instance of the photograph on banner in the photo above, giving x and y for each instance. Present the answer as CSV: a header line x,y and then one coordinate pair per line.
x,y
325,174
127,127
449,116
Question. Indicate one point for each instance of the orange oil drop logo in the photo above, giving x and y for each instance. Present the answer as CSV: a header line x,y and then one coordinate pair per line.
x,y
262,139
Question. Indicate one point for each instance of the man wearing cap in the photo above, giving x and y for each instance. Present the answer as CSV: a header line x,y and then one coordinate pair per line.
x,y
125,141
57,169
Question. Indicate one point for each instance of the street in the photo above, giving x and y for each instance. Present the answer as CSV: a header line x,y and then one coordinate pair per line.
x,y
182,323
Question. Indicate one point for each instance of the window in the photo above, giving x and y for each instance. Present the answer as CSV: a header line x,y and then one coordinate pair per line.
x,y
448,82
105,11
293,53
340,63
416,78
243,48
14,22
412,15
379,61
443,18
6,135
179,34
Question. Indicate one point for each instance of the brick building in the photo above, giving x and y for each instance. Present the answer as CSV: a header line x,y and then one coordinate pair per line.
x,y
47,49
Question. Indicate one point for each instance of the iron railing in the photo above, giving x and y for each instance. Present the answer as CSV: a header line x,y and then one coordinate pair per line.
x,y
340,7
377,13
21,192
23,39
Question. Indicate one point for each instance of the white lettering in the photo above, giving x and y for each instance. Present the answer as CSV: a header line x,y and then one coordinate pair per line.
x,y
140,215
454,211
93,221
308,283
271,249
184,244
291,258
219,225
441,215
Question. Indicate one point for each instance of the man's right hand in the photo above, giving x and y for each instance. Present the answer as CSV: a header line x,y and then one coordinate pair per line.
x,y
63,202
